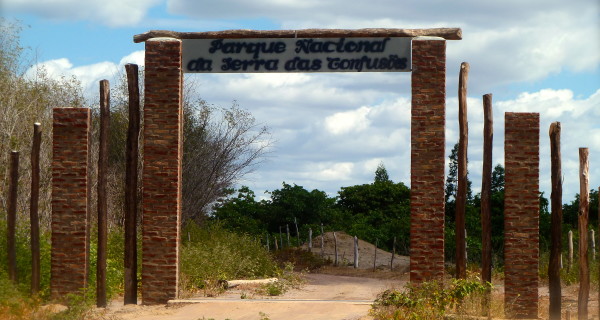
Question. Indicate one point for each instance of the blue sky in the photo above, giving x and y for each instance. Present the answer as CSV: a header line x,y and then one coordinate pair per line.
x,y
332,130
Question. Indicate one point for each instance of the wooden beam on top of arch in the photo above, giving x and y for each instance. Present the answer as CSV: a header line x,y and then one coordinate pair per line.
x,y
445,33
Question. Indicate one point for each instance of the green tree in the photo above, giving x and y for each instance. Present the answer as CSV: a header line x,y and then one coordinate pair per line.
x,y
378,211
242,213
381,174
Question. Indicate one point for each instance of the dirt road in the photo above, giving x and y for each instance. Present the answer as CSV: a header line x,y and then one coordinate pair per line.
x,y
323,296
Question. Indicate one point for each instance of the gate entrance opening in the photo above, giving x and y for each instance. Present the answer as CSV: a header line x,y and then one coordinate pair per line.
x,y
169,54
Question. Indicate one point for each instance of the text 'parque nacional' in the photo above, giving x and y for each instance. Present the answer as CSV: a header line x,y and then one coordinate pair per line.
x,y
296,55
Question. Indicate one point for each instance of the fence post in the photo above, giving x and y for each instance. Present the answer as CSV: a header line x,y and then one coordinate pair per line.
x,y
393,254
461,193
309,239
281,237
131,185
297,233
336,248
570,238
584,274
322,242
102,199
33,208
556,225
375,255
355,252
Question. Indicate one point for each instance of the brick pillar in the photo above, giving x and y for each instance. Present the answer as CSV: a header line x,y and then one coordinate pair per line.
x,y
70,146
521,214
428,122
161,177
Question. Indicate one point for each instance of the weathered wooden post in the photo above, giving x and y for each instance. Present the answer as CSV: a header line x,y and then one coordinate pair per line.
x,y
570,240
275,242
12,216
584,202
287,230
322,242
281,237
375,256
131,185
102,198
335,249
556,224
461,193
268,247
33,208
355,252
393,254
309,239
592,244
297,233
486,190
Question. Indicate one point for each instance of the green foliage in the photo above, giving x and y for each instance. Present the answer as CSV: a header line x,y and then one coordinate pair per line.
x,y
430,300
381,174
377,211
211,253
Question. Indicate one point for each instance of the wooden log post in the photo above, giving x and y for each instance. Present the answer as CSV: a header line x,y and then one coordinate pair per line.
x,y
102,197
335,247
281,237
584,202
556,224
355,252
322,242
393,254
461,193
131,185
570,240
12,216
592,244
297,233
287,230
34,219
309,239
268,245
275,242
486,190
375,256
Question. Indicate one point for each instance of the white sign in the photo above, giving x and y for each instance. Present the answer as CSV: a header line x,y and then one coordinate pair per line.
x,y
296,55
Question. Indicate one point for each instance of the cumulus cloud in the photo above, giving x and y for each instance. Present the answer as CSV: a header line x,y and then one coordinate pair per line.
x,y
88,75
505,42
348,121
114,13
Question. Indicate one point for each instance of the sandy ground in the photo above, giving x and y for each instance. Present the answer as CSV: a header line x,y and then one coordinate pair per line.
x,y
366,252
323,296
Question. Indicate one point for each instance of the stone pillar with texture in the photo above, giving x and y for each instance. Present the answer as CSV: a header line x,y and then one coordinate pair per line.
x,y
521,214
70,148
161,177
428,121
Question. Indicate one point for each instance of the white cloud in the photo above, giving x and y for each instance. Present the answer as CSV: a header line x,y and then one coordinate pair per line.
x,y
88,75
114,13
348,121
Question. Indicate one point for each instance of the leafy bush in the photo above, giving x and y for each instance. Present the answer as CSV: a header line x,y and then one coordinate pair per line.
x,y
430,300
211,253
